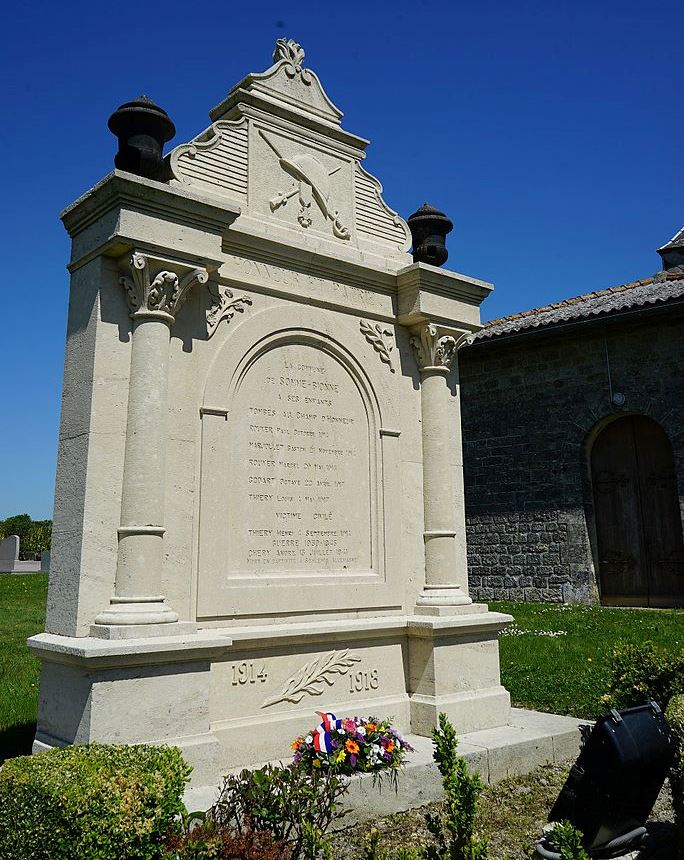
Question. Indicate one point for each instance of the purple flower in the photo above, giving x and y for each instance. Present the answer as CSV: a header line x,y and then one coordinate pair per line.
x,y
352,760
334,744
387,756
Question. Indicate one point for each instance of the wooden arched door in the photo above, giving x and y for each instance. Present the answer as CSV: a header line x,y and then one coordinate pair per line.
x,y
638,521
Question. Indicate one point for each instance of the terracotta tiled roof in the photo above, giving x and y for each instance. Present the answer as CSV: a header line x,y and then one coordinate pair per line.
x,y
663,287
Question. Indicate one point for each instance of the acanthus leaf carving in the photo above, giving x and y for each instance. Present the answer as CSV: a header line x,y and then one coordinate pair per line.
x,y
165,292
224,306
292,55
312,677
376,336
436,348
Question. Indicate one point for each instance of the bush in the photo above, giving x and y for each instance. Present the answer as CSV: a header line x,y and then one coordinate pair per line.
x,y
93,801
207,841
567,841
643,672
453,832
675,719
294,805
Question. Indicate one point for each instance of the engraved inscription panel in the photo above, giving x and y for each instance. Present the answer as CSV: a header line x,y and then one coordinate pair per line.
x,y
300,466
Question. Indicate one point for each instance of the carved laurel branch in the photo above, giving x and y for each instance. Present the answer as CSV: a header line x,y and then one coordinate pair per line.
x,y
375,335
223,307
310,679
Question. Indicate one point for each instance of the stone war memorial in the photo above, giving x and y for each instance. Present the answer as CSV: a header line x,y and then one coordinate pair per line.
x,y
259,502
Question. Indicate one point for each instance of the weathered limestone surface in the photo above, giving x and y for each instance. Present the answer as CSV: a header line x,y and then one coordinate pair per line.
x,y
259,507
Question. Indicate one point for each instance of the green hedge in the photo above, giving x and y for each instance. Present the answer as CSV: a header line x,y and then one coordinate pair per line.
x,y
642,672
97,802
675,718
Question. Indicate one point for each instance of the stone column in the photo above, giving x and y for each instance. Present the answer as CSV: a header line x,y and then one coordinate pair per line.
x,y
446,569
155,300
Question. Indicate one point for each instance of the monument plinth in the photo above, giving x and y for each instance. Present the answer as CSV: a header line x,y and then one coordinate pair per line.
x,y
259,505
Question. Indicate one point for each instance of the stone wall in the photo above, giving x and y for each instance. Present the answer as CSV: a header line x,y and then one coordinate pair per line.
x,y
531,406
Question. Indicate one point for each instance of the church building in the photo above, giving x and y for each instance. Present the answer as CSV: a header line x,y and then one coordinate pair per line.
x,y
573,433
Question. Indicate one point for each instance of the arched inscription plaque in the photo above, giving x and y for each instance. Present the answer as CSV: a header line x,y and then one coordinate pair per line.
x,y
300,465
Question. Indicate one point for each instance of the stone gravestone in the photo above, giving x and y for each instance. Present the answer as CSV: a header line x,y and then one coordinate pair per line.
x,y
9,553
9,557
259,505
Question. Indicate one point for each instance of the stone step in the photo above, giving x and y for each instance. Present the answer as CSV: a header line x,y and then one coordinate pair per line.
x,y
531,739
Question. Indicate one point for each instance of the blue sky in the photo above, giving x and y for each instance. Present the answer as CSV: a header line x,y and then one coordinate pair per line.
x,y
550,132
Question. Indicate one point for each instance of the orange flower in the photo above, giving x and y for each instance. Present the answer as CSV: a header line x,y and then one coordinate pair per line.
x,y
351,747
295,744
390,746
370,727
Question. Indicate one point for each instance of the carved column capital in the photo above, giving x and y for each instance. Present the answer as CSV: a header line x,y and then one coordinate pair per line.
x,y
158,287
435,346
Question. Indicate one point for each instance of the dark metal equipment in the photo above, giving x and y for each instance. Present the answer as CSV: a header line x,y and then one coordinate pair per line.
x,y
613,785
429,228
142,128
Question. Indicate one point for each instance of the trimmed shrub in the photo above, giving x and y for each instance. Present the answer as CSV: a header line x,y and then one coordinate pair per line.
x,y
95,801
675,719
642,672
453,832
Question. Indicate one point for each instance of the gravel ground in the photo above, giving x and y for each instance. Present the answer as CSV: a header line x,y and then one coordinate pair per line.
x,y
511,816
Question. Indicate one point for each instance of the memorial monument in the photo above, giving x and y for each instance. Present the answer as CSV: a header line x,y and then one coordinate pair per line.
x,y
259,503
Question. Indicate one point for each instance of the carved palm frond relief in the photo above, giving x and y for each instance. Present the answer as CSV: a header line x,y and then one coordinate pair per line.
x,y
311,678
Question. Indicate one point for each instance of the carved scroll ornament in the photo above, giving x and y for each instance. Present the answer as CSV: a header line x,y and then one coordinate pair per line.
x,y
433,347
164,293
292,54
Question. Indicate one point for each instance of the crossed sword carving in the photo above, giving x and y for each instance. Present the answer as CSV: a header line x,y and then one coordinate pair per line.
x,y
282,197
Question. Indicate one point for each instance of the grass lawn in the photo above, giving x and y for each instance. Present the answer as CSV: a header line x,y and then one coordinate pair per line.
x,y
565,674
568,674
22,613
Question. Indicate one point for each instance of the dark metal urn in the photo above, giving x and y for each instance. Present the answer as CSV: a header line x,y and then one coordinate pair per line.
x,y
429,228
142,128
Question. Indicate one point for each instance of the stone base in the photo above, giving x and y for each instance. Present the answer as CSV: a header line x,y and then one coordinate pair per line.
x,y
236,696
529,740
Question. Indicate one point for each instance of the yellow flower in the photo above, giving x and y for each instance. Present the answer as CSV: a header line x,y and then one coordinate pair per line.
x,y
316,762
341,755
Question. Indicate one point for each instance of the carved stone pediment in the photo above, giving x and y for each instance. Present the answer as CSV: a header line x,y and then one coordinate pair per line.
x,y
276,147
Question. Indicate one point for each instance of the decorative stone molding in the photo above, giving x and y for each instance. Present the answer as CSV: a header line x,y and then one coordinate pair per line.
x,y
309,680
223,307
436,347
162,294
376,336
292,54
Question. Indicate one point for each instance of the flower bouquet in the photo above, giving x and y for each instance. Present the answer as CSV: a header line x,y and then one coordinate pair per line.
x,y
351,745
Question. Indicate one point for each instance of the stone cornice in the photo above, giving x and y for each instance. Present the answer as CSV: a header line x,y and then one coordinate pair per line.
x,y
171,202
430,294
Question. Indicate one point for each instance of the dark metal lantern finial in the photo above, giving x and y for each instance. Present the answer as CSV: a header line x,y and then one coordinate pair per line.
x,y
429,228
142,128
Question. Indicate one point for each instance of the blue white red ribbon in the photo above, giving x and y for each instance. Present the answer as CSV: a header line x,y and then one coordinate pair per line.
x,y
322,741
